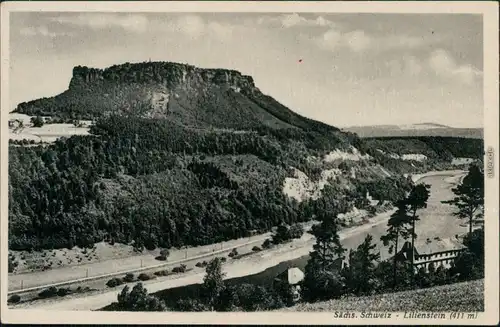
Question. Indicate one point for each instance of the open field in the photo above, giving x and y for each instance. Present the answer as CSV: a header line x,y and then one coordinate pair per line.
x,y
47,133
466,297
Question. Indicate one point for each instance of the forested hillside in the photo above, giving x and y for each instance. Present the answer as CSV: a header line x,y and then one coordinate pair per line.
x,y
185,156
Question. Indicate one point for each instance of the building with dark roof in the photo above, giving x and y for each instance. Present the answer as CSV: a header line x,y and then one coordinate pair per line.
x,y
441,252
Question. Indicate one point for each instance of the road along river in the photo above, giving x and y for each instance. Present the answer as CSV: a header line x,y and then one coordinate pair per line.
x,y
436,220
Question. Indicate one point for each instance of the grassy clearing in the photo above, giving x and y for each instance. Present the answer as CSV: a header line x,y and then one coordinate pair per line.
x,y
466,296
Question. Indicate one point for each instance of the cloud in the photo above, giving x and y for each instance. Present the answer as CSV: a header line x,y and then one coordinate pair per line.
x,y
444,65
292,20
357,40
407,65
97,21
333,39
190,25
360,41
41,31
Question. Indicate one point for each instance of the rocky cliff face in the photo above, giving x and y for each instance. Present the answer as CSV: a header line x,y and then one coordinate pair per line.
x,y
167,74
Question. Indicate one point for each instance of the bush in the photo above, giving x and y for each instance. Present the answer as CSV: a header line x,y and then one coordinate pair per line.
x,y
267,244
233,253
63,291
14,299
48,292
161,273
37,121
129,278
179,269
256,249
144,277
296,231
114,282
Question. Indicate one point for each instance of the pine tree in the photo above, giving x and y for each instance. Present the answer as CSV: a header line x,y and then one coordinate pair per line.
x,y
398,226
322,278
362,264
417,199
469,196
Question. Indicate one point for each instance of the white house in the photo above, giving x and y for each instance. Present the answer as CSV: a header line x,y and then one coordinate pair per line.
x,y
441,252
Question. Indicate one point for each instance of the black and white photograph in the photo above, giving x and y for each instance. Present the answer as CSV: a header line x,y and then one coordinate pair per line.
x,y
250,160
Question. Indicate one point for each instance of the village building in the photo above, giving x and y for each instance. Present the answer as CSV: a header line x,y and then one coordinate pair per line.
x,y
441,252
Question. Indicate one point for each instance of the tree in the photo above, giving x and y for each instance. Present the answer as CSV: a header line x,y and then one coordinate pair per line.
x,y
398,226
417,199
361,270
296,231
138,300
37,121
213,283
327,247
282,234
164,253
469,196
322,279
321,284
465,266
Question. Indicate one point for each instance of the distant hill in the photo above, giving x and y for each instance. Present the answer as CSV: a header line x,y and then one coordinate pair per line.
x,y
434,299
423,129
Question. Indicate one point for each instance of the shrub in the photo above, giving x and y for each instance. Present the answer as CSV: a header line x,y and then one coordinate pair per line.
x,y
14,299
48,292
37,121
199,264
296,231
179,269
63,291
113,282
129,278
161,273
267,244
256,249
144,277
233,253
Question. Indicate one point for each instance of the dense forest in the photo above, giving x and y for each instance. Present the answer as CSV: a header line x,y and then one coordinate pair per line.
x,y
147,182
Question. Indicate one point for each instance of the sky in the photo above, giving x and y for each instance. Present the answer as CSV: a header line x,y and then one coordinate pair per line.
x,y
342,69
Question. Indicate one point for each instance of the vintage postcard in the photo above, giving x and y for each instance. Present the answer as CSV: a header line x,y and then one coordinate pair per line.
x,y
250,162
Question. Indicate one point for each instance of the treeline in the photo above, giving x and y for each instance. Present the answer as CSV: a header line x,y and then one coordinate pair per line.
x,y
434,147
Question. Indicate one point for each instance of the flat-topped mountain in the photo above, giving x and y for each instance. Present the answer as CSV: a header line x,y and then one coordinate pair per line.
x,y
191,96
